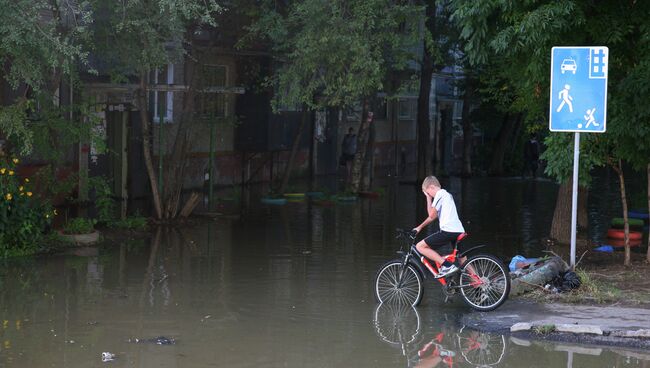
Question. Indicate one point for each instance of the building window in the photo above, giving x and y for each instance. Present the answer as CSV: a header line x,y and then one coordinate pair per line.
x,y
212,103
162,76
405,111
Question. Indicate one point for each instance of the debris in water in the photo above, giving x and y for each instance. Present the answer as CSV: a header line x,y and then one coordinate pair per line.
x,y
108,357
160,340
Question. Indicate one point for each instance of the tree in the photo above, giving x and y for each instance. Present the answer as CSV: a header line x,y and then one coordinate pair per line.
x,y
165,30
520,35
335,54
41,41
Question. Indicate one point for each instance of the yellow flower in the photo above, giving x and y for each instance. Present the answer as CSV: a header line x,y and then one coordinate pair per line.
x,y
29,194
26,180
2,171
15,160
11,172
8,196
21,188
47,215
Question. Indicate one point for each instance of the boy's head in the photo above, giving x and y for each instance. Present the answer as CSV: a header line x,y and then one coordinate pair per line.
x,y
431,185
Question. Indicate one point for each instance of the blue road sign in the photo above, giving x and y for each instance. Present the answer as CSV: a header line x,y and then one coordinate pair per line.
x,y
579,89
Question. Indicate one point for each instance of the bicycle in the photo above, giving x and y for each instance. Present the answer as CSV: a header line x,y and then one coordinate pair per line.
x,y
483,282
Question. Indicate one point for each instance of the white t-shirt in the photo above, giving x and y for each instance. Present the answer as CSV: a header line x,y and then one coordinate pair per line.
x,y
443,202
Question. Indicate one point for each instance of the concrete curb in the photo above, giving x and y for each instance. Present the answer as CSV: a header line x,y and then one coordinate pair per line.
x,y
580,329
561,327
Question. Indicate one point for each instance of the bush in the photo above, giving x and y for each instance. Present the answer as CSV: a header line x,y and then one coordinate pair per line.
x,y
104,201
79,226
130,223
23,217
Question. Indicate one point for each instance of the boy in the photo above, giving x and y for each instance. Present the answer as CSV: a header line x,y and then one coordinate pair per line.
x,y
440,205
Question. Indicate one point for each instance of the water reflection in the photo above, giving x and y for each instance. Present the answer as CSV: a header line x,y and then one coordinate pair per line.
x,y
434,339
400,326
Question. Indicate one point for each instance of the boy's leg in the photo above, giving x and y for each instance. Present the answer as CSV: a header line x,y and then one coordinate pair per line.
x,y
426,251
435,240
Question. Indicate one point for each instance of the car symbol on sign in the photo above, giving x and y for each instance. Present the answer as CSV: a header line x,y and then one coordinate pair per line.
x,y
568,65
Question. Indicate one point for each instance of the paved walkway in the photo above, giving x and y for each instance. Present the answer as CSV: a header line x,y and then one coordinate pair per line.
x,y
609,325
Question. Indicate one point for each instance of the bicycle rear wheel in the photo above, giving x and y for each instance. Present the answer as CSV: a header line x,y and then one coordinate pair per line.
x,y
395,284
484,282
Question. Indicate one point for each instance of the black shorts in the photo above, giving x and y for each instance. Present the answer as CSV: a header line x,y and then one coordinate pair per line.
x,y
441,238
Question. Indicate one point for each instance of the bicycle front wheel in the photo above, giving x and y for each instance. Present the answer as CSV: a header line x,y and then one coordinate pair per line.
x,y
484,282
397,284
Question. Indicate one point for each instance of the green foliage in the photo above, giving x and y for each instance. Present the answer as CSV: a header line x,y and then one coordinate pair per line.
x,y
13,124
511,42
104,201
52,185
23,217
559,155
160,26
544,329
130,223
334,53
39,38
79,225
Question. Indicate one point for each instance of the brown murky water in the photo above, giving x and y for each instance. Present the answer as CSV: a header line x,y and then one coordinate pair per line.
x,y
287,286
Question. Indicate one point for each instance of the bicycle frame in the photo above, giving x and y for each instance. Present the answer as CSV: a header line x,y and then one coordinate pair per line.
x,y
422,263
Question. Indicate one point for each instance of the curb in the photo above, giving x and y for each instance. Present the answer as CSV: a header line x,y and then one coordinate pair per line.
x,y
580,329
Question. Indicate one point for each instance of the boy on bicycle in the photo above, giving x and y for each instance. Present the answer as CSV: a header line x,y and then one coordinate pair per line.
x,y
440,205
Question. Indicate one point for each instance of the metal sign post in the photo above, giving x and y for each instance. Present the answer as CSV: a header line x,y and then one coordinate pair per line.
x,y
574,198
578,103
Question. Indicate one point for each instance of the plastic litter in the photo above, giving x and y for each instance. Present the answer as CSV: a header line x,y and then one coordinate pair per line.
x,y
604,248
518,262
108,357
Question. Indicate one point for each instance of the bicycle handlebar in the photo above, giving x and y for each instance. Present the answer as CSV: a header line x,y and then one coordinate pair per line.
x,y
405,234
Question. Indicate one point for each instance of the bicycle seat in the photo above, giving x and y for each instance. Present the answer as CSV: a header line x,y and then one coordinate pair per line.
x,y
461,237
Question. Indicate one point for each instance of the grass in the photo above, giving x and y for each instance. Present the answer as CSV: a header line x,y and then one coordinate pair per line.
x,y
130,223
543,329
591,291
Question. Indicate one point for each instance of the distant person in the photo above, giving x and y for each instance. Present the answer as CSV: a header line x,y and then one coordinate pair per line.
x,y
531,156
348,149
441,206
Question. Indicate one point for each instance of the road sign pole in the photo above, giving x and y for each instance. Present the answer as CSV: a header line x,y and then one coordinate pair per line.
x,y
574,201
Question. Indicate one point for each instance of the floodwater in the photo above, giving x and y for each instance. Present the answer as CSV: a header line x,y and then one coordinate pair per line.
x,y
276,286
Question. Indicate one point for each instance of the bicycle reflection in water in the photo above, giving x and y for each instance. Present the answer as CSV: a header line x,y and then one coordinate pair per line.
x,y
400,326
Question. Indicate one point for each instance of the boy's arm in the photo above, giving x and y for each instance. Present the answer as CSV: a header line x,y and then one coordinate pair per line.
x,y
433,215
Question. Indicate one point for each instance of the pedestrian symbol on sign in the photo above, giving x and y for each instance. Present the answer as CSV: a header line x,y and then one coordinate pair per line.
x,y
566,99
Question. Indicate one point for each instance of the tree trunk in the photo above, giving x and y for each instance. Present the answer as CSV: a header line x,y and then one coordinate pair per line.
x,y
468,131
583,210
423,122
368,162
438,150
146,144
626,224
294,150
647,257
561,225
174,173
501,143
362,145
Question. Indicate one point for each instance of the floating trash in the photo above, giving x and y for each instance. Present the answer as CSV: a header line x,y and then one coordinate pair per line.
x,y
108,357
